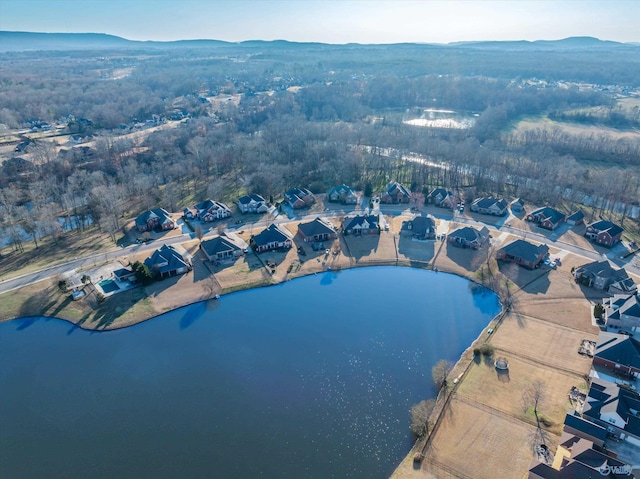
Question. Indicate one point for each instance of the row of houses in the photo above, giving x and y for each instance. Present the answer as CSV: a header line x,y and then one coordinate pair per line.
x,y
607,414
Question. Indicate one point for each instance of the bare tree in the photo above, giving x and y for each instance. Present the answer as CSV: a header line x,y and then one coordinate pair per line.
x,y
533,396
439,373
199,232
420,413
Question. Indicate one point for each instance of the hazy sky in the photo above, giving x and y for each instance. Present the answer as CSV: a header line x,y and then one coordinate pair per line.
x,y
330,21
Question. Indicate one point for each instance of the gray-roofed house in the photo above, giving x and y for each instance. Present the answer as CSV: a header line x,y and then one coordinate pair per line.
x,y
547,217
615,407
576,425
273,237
225,247
361,225
575,218
517,206
489,206
342,194
599,274
317,230
208,211
299,198
395,193
523,253
169,261
157,218
468,237
604,233
420,227
620,353
442,198
252,204
623,311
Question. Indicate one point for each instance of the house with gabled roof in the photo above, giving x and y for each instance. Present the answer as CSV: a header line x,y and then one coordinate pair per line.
x,y
342,194
523,253
622,311
577,426
442,198
599,274
319,229
207,211
271,238
252,204
615,407
604,233
420,227
299,198
619,353
547,217
361,225
157,218
468,237
517,206
226,246
169,261
489,206
395,193
575,218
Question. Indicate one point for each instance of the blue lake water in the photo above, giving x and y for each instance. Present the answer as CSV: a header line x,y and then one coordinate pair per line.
x,y
313,378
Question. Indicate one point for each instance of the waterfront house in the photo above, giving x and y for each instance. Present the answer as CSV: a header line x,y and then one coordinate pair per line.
x,y
468,237
252,204
523,253
547,217
319,229
226,246
342,194
299,198
420,227
157,218
489,206
361,225
604,233
169,261
271,238
395,193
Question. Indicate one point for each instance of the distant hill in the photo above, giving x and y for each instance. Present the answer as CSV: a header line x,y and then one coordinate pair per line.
x,y
31,41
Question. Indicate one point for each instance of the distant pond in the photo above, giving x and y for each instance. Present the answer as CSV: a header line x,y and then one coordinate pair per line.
x,y
313,378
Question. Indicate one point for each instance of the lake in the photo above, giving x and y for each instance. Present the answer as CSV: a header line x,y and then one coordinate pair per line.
x,y
313,378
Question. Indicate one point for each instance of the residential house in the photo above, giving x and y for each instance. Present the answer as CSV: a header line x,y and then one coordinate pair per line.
x,y
575,218
273,237
207,211
576,425
169,261
317,230
517,206
395,193
125,274
604,233
442,197
489,206
157,218
226,246
420,227
622,311
361,225
619,353
342,194
579,458
547,217
523,253
615,407
599,274
468,237
252,204
299,198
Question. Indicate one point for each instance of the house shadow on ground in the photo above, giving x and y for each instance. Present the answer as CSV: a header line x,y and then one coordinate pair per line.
x,y
534,281
468,258
361,246
112,307
421,251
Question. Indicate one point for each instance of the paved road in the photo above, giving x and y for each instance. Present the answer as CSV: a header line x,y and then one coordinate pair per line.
x,y
498,225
